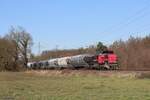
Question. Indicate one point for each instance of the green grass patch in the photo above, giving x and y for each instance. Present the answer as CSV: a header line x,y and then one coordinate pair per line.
x,y
24,86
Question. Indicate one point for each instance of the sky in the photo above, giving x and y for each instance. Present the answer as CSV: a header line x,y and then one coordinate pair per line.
x,y
69,24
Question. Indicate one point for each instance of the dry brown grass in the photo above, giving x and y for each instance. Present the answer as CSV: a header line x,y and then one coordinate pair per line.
x,y
67,72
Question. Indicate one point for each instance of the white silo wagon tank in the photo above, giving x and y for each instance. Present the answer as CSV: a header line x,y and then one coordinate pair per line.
x,y
46,64
79,60
53,63
43,64
63,62
29,65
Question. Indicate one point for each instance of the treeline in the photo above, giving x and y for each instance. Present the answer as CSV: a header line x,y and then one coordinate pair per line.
x,y
134,54
14,49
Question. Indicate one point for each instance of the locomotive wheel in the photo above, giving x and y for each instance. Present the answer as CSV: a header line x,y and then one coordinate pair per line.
x,y
114,67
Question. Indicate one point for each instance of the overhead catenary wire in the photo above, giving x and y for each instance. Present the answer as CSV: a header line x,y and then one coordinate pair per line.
x,y
133,18
146,28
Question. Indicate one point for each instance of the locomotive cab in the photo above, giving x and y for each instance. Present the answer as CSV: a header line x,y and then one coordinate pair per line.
x,y
107,60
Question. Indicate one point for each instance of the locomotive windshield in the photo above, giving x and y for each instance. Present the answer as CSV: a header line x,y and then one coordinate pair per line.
x,y
107,52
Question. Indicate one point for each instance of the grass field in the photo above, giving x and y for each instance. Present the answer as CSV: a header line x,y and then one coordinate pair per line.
x,y
61,86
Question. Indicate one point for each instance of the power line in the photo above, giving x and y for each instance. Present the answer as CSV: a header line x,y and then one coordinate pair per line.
x,y
133,20
146,28
129,20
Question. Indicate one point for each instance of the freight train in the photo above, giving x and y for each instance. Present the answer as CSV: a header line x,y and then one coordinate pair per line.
x,y
106,60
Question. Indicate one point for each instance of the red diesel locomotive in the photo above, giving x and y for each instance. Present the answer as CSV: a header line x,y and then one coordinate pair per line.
x,y
107,60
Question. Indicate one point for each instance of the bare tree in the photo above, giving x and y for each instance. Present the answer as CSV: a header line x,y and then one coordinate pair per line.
x,y
23,41
134,53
